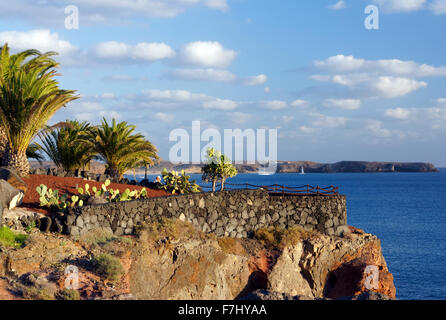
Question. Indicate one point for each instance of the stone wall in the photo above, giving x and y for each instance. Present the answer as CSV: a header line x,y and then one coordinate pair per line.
x,y
234,213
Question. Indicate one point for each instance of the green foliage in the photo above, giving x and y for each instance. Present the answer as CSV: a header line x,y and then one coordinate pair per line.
x,y
33,152
279,238
50,198
218,167
108,267
67,146
232,246
120,148
178,184
111,195
31,227
29,97
9,239
69,294
168,229
37,293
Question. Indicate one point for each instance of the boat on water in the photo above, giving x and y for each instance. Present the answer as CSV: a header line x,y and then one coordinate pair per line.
x,y
302,171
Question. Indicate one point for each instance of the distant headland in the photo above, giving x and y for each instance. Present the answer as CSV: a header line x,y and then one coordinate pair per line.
x,y
282,167
313,167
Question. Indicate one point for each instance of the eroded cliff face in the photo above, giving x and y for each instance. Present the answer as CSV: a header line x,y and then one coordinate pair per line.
x,y
315,267
173,261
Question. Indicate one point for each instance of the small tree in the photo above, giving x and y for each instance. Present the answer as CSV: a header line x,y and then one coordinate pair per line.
x,y
218,167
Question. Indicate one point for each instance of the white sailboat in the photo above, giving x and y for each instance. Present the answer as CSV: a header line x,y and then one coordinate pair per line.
x,y
302,171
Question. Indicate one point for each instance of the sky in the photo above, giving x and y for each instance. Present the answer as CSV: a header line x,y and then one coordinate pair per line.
x,y
334,89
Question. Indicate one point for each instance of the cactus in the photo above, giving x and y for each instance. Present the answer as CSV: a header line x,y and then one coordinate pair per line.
x,y
176,183
51,199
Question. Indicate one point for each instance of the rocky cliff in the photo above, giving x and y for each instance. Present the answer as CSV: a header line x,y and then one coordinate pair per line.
x,y
171,260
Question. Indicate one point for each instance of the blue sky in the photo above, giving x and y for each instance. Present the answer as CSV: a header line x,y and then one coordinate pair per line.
x,y
333,89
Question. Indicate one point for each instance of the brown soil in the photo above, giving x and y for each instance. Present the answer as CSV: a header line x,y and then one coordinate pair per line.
x,y
69,186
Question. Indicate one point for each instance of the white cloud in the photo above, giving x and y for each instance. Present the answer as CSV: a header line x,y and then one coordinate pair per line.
x,y
203,75
307,130
323,121
376,78
391,87
441,101
349,64
122,77
108,95
184,98
401,5
42,39
220,104
140,52
221,5
240,117
346,104
376,128
338,5
299,103
207,54
398,113
438,6
164,117
340,63
173,95
274,105
256,80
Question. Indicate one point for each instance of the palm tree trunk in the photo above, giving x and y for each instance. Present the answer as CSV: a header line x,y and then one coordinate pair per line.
x,y
222,184
3,142
214,184
17,161
114,173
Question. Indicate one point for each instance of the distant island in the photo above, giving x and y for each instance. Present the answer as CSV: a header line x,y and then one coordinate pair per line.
x,y
282,167
314,167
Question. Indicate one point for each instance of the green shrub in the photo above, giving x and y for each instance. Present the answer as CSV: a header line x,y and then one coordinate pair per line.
x,y
9,239
280,238
108,267
164,228
231,246
35,293
69,294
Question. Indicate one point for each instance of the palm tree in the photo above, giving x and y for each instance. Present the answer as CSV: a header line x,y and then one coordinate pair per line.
x,y
33,152
29,97
67,147
120,148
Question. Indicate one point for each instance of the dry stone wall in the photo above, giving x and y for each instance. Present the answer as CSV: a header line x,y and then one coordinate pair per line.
x,y
235,213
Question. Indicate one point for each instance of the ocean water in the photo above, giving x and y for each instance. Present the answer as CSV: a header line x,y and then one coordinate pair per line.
x,y
407,211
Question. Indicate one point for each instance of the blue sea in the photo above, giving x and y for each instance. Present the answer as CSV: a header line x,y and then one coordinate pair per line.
x,y
407,211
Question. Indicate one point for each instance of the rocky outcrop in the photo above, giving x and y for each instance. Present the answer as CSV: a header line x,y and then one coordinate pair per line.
x,y
20,218
10,197
172,260
312,268
11,176
191,270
